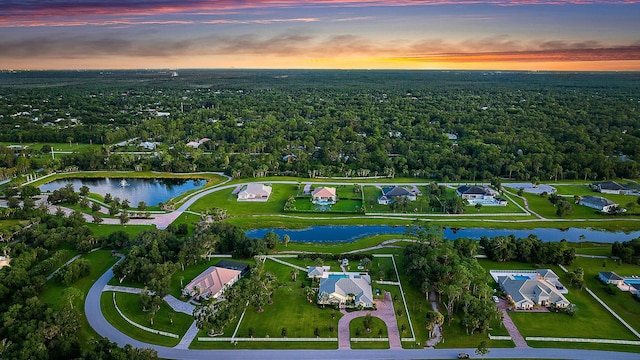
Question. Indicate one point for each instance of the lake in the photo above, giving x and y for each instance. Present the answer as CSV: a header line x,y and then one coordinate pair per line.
x,y
151,191
326,234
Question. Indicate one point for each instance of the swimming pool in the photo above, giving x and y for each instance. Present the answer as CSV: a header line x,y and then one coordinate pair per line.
x,y
521,277
631,281
338,276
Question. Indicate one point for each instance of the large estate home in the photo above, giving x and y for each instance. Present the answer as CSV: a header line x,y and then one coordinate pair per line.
x,y
212,282
255,192
392,194
343,289
612,187
324,196
480,195
598,203
528,289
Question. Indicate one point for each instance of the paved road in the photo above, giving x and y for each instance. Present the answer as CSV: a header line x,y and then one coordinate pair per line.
x,y
101,326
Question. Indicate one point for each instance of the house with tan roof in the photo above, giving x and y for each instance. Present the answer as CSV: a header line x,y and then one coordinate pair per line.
x,y
254,192
212,282
324,196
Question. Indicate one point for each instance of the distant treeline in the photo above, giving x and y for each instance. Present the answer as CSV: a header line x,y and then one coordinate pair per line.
x,y
441,125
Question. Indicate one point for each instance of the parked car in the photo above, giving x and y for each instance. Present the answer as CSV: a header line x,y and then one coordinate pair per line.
x,y
464,356
495,299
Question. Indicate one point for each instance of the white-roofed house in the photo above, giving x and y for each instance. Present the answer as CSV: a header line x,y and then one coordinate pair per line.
x,y
350,290
255,192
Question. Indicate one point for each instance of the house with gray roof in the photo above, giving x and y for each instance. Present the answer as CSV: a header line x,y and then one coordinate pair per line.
x,y
598,203
316,272
391,194
609,277
345,290
480,195
612,187
526,293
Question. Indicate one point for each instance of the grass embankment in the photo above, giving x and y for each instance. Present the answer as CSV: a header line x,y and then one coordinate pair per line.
x,y
101,261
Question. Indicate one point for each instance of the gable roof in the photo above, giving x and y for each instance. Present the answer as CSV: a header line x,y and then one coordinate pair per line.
x,y
316,271
531,290
324,192
360,287
396,191
212,280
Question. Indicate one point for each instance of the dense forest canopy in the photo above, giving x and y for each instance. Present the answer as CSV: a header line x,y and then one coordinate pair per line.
x,y
346,123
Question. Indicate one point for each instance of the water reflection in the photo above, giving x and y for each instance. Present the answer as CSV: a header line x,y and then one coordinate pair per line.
x,y
151,191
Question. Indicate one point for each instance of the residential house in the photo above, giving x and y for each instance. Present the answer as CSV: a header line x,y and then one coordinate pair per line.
x,y
612,187
482,195
598,203
234,265
345,290
316,272
392,194
324,195
634,289
212,282
609,277
526,293
255,192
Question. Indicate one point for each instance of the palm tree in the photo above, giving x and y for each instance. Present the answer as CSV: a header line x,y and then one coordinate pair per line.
x,y
72,293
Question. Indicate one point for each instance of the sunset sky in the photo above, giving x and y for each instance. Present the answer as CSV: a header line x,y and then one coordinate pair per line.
x,y
342,34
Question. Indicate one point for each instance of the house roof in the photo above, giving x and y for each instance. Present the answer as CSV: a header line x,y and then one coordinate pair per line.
x,y
611,185
597,200
529,290
257,189
233,265
396,191
360,287
324,192
547,274
212,280
610,275
471,190
316,271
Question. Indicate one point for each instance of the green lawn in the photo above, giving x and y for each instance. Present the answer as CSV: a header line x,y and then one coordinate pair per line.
x,y
106,230
114,318
590,321
342,206
129,304
378,328
101,261
224,199
622,303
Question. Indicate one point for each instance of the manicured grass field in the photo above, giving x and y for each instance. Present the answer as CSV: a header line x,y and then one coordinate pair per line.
x,y
591,319
622,302
226,200
358,330
114,318
129,304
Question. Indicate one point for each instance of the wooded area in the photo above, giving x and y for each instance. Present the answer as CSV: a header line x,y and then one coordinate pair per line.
x,y
441,125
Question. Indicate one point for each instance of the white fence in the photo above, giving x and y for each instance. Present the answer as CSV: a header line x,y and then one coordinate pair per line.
x,y
582,340
158,332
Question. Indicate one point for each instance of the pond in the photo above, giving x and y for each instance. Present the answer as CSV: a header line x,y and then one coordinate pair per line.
x,y
325,234
151,191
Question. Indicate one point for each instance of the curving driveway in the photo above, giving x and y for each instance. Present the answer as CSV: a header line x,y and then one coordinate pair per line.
x,y
100,324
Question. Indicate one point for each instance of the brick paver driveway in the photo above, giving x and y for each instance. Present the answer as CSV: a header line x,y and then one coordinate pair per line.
x,y
384,311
